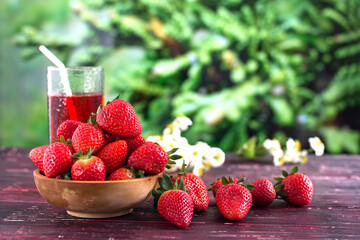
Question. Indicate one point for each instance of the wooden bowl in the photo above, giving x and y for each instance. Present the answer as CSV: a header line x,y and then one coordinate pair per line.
x,y
95,199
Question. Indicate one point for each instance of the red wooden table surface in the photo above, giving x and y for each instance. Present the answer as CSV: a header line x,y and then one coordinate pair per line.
x,y
333,213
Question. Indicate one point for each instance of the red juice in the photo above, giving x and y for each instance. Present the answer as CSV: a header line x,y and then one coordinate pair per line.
x,y
78,107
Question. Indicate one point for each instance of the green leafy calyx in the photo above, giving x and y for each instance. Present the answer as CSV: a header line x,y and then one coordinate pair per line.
x,y
79,155
137,173
172,157
230,179
62,140
92,119
279,185
166,184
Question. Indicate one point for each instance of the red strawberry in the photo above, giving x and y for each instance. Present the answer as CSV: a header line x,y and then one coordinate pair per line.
x,y
57,159
295,188
133,144
111,138
88,136
37,156
121,174
90,168
233,200
263,193
218,184
196,189
66,175
60,176
113,155
150,158
177,207
119,118
67,129
173,203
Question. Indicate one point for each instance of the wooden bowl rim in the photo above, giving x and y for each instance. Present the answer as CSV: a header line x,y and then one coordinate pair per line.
x,y
38,175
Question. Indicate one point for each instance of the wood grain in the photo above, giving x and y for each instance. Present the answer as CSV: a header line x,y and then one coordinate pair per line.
x,y
333,213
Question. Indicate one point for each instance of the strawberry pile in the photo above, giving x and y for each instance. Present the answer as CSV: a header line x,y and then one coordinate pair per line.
x,y
109,147
178,197
234,199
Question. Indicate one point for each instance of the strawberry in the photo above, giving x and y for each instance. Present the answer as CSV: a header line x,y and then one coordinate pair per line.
x,y
111,138
119,118
67,128
65,175
196,189
216,185
57,159
233,200
173,203
37,156
88,168
121,174
133,144
263,193
295,188
60,176
113,155
88,136
177,207
151,158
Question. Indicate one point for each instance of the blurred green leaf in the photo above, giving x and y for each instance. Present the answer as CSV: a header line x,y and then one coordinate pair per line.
x,y
282,110
252,150
341,140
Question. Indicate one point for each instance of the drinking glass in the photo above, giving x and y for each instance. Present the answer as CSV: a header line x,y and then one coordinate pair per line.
x,y
87,93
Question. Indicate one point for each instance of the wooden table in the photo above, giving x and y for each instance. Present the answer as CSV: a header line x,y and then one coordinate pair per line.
x,y
333,213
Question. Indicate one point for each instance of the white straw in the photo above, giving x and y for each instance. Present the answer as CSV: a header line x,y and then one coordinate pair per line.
x,y
61,66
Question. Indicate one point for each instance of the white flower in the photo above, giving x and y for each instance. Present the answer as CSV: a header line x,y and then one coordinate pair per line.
x,y
278,160
198,167
198,157
154,138
218,157
317,145
293,153
203,147
167,143
211,156
293,145
178,163
274,148
172,129
182,122
295,157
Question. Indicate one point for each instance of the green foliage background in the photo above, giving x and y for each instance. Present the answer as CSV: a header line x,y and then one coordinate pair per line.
x,y
238,68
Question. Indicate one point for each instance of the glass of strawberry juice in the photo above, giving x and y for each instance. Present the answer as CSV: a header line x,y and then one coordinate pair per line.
x,y
87,93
